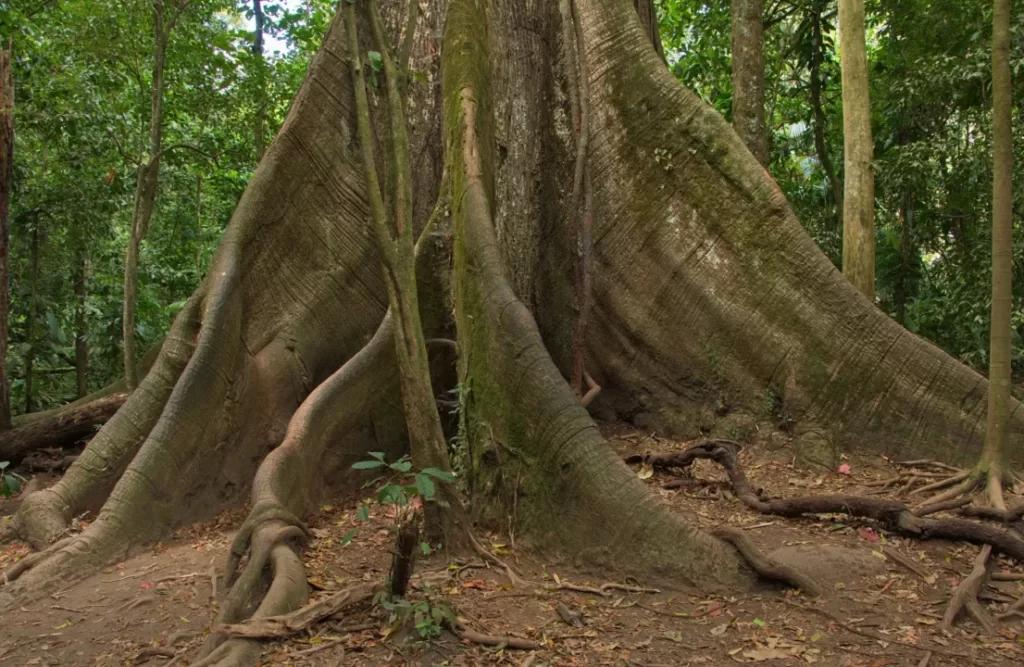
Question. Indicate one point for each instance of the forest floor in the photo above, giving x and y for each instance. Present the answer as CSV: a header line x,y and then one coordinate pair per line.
x,y
885,604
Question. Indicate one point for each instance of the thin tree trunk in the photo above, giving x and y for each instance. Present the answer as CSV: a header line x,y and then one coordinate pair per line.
x,y
748,76
261,97
859,202
997,433
145,194
6,175
199,227
820,146
902,288
30,318
81,323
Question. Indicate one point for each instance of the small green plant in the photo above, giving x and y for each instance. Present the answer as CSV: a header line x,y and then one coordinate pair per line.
x,y
429,615
404,489
10,482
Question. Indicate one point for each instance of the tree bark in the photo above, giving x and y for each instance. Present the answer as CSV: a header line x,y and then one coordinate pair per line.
x,y
63,430
81,322
6,176
859,198
146,188
748,76
997,432
820,120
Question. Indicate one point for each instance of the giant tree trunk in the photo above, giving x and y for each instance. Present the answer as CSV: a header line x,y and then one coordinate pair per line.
x,y
859,192
748,76
6,176
707,293
30,316
997,440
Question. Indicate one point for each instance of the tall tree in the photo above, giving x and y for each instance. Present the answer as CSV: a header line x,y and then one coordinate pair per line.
x,y
748,76
859,192
998,429
6,176
147,184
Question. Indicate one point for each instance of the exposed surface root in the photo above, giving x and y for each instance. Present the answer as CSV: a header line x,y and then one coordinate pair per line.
x,y
962,485
263,512
766,567
896,515
30,561
966,595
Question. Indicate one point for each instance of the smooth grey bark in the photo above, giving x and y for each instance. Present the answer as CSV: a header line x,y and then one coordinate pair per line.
x,y
748,76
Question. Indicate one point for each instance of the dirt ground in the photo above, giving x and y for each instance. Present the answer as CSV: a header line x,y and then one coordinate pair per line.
x,y
884,608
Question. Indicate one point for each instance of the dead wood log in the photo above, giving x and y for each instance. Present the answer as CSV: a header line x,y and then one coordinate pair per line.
x,y
63,429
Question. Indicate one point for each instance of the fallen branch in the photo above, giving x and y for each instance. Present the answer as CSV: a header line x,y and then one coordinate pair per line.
x,y
272,627
469,635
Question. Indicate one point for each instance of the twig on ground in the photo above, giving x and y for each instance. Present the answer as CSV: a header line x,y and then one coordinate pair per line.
x,y
154,652
899,558
871,635
297,621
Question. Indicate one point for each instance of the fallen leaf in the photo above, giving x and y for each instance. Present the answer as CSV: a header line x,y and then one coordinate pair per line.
x,y
845,469
478,584
867,534
673,635
762,654
719,630
146,585
646,471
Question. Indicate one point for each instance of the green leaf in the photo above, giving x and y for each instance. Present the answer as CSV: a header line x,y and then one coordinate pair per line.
x,y
377,455
376,60
11,485
367,465
364,512
347,539
401,466
425,547
426,486
759,623
439,474
4,464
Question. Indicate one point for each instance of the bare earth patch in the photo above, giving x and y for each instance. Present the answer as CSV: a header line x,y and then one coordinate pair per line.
x,y
883,606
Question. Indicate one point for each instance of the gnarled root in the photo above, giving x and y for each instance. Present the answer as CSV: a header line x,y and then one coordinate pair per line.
x,y
766,567
281,493
28,562
963,484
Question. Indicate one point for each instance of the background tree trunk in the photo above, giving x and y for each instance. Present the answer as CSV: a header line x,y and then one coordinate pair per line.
x,y
6,175
859,198
817,105
30,317
145,193
997,432
261,95
81,321
648,14
748,76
